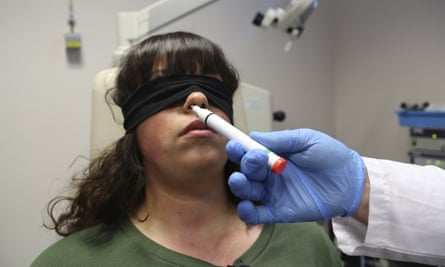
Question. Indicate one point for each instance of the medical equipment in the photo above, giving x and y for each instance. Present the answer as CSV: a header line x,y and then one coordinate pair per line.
x,y
427,132
72,38
134,25
230,132
290,20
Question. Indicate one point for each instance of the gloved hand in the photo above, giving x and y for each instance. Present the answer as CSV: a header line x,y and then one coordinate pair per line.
x,y
323,178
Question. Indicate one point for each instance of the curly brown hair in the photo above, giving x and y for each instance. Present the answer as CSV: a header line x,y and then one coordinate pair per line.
x,y
113,185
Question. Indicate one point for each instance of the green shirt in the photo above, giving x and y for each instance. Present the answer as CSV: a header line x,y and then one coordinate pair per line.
x,y
283,245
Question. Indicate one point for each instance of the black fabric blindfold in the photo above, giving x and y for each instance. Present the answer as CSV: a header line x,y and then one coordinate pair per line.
x,y
161,93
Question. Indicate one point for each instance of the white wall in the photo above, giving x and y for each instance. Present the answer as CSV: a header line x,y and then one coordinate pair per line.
x,y
387,52
45,102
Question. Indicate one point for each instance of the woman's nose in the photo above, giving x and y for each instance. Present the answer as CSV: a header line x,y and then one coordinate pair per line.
x,y
195,98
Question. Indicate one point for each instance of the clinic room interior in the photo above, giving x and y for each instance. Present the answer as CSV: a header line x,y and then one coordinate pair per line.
x,y
346,75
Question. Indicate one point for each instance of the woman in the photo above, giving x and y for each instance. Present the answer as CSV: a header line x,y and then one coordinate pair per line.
x,y
159,196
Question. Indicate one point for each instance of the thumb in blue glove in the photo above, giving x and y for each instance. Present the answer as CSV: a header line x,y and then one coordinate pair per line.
x,y
323,178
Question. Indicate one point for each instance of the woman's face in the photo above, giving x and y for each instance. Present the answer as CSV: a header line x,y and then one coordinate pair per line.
x,y
176,142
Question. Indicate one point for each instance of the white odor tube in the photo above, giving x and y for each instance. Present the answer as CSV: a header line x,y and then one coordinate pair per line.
x,y
221,126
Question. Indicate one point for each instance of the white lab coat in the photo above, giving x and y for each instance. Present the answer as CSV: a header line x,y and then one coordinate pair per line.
x,y
406,217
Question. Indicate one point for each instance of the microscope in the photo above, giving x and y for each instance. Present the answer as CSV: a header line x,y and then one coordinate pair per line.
x,y
290,20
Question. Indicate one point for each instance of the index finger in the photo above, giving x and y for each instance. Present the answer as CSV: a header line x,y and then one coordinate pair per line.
x,y
254,164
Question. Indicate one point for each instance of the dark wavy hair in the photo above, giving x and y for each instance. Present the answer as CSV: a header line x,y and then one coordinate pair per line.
x,y
113,185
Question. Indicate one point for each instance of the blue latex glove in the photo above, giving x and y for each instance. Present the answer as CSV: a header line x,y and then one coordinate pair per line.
x,y
323,178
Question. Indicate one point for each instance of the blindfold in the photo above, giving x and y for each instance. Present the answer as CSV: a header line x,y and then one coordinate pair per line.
x,y
165,92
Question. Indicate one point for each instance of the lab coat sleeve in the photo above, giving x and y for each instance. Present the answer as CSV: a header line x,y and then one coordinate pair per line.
x,y
406,215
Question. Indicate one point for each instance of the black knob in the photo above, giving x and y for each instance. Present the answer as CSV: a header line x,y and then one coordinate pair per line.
x,y
258,19
279,115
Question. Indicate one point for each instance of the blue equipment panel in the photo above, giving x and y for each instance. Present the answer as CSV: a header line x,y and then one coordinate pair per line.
x,y
422,119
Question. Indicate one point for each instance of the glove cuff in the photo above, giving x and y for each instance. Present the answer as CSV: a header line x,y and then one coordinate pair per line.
x,y
358,181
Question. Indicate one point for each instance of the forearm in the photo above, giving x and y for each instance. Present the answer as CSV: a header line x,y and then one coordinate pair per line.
x,y
405,217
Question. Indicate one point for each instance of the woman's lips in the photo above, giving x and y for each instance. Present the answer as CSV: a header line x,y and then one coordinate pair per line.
x,y
196,126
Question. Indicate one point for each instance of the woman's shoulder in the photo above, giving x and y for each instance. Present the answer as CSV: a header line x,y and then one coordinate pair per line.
x,y
310,237
83,246
301,228
294,244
